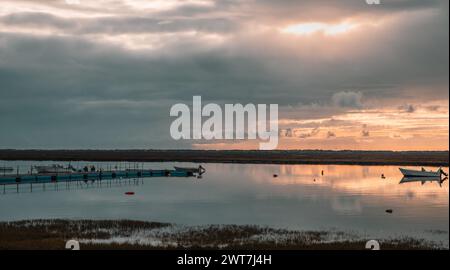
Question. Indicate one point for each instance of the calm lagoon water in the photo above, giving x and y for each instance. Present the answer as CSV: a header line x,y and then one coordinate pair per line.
x,y
345,198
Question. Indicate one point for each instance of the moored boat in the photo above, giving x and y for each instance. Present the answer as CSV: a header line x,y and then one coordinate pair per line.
x,y
422,173
199,169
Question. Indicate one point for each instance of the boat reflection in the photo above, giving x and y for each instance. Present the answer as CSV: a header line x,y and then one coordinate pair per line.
x,y
423,180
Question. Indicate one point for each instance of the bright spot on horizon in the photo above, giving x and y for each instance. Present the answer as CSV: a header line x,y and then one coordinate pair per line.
x,y
73,2
311,28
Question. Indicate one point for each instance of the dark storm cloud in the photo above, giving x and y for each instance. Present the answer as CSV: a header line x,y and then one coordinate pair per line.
x,y
90,95
38,19
120,25
348,99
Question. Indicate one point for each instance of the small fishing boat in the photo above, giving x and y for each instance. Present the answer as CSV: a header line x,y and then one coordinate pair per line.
x,y
199,170
422,173
6,169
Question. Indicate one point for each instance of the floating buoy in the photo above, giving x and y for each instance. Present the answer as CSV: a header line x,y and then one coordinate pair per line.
x,y
129,193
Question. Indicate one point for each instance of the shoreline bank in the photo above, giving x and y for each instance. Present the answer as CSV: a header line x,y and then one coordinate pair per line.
x,y
129,234
319,157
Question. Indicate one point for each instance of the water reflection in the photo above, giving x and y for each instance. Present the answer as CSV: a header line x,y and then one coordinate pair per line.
x,y
424,180
69,185
347,198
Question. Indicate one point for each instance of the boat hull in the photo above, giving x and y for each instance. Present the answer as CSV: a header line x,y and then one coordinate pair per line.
x,y
199,170
414,173
181,169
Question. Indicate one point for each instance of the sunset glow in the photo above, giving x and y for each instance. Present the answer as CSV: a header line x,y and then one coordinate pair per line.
x,y
312,28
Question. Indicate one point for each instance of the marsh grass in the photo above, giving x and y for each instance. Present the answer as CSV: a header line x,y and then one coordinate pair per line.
x,y
104,234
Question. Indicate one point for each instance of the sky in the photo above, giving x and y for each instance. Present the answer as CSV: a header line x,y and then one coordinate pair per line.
x,y
79,74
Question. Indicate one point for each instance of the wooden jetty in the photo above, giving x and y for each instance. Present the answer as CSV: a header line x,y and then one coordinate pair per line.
x,y
13,179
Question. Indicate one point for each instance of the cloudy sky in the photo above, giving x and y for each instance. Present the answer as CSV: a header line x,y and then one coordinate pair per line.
x,y
104,74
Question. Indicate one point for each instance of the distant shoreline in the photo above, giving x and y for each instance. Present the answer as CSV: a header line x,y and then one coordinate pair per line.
x,y
406,158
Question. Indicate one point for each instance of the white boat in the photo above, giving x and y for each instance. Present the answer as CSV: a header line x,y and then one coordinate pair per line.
x,y
199,169
54,168
422,173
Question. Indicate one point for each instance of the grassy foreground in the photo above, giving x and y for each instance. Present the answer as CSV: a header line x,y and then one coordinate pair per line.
x,y
127,234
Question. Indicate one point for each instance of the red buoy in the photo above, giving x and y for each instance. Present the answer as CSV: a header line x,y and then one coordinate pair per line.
x,y
129,193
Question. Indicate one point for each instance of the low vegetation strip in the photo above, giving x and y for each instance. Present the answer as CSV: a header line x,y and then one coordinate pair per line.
x,y
411,158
